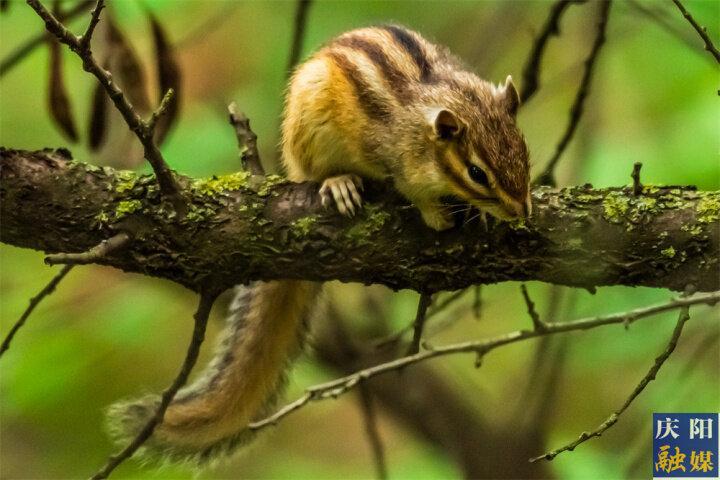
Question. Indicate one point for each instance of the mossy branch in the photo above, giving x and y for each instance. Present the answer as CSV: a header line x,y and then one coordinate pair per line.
x,y
236,231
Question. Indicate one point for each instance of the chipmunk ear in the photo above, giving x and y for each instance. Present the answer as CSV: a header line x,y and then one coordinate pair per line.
x,y
509,96
445,124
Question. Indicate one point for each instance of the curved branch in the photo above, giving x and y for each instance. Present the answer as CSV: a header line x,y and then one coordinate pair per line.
x,y
480,348
236,231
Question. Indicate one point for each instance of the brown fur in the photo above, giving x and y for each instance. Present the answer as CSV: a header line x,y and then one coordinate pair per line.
x,y
363,105
265,332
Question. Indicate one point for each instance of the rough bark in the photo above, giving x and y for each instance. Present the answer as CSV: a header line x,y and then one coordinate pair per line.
x,y
241,228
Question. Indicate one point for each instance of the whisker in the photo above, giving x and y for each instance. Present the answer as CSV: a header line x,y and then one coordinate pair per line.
x,y
472,218
462,209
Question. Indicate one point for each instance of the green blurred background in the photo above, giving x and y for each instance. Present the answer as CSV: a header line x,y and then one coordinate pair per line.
x,y
106,335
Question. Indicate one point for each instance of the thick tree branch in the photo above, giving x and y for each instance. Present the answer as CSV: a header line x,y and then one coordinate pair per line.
x,y
666,237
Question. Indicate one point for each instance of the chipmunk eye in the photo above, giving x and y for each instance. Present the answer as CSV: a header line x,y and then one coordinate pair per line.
x,y
477,175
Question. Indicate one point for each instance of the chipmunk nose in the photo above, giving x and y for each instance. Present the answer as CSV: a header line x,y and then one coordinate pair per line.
x,y
514,210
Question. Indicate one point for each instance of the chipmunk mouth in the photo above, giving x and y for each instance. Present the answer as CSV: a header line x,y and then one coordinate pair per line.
x,y
497,209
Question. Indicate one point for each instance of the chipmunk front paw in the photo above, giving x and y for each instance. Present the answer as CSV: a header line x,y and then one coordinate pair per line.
x,y
343,190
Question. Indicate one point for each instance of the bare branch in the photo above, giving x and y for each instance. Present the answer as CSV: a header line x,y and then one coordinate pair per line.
x,y
37,40
531,72
702,31
637,186
298,33
201,318
656,12
34,301
547,177
534,316
247,141
373,435
161,110
419,324
433,310
650,376
80,45
480,348
98,252
94,20
435,412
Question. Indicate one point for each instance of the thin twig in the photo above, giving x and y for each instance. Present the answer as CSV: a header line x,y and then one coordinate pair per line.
x,y
432,311
162,108
301,12
202,32
94,20
635,175
34,301
339,386
141,128
534,316
201,316
371,429
656,13
547,177
37,40
702,31
247,141
101,250
419,324
531,72
650,376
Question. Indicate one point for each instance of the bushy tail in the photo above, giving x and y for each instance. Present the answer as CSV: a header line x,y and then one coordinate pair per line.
x,y
265,331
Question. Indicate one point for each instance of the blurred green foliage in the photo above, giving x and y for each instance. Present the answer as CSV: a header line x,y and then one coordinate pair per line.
x,y
105,334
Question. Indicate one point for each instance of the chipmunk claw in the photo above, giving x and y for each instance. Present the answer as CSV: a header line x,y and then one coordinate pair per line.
x,y
343,191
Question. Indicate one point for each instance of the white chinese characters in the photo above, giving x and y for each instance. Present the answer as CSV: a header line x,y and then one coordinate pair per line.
x,y
701,427
667,427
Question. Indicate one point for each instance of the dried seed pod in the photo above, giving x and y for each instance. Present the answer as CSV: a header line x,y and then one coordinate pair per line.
x,y
98,123
126,67
58,99
168,77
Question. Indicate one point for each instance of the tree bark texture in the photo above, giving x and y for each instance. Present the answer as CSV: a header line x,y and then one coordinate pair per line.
x,y
241,228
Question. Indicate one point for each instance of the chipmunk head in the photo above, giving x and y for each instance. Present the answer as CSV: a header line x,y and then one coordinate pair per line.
x,y
480,149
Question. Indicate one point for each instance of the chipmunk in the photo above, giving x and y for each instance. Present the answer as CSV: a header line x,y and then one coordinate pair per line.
x,y
373,103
